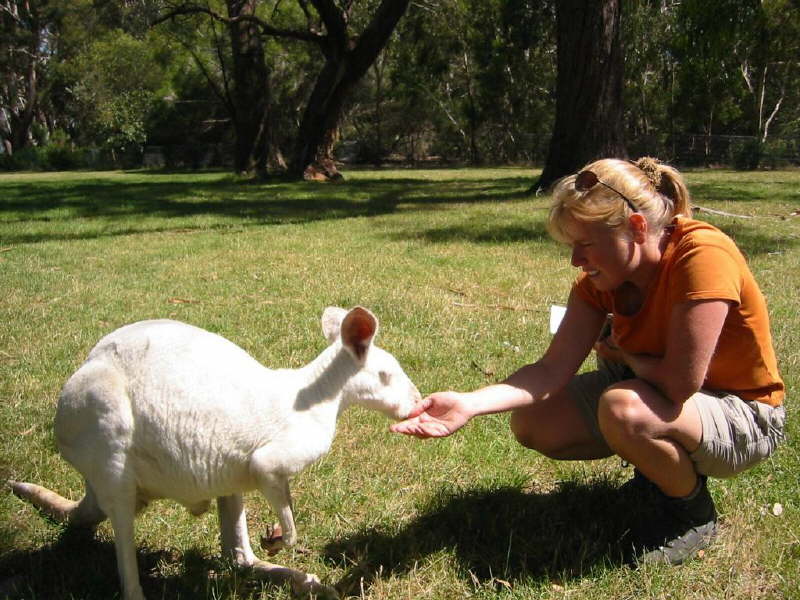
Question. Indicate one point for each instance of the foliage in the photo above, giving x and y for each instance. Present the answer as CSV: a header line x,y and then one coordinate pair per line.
x,y
461,80
777,153
706,66
116,81
648,28
57,155
768,62
746,154
710,68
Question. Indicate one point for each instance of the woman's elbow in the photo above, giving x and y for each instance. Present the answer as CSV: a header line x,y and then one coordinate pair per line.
x,y
680,389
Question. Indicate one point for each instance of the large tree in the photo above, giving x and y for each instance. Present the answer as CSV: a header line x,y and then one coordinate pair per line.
x,y
347,59
589,115
27,31
346,55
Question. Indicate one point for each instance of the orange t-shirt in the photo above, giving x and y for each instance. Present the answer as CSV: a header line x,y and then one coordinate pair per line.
x,y
702,263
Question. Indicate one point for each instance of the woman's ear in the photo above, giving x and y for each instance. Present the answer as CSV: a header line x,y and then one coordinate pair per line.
x,y
638,227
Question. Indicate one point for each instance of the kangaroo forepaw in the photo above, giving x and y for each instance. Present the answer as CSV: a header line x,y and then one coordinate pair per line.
x,y
272,540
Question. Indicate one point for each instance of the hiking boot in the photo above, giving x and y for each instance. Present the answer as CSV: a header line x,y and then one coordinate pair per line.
x,y
687,526
638,486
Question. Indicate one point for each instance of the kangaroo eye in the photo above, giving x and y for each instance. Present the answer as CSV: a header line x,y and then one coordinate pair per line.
x,y
385,377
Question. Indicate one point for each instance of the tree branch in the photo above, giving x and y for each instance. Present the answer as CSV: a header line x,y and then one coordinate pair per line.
x,y
376,34
266,28
333,17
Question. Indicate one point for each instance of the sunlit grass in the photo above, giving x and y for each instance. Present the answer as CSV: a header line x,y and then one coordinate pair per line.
x,y
459,269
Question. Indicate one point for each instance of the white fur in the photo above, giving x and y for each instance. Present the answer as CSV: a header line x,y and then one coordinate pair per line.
x,y
161,409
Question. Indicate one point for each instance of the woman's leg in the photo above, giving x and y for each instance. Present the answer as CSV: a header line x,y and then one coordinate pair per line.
x,y
652,433
557,428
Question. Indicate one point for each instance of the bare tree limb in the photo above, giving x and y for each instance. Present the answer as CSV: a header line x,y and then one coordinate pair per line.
x,y
192,9
714,211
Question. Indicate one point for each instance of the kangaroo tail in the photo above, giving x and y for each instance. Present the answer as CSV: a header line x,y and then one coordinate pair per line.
x,y
50,503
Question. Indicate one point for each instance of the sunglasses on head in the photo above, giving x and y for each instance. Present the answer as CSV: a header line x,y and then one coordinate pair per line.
x,y
586,180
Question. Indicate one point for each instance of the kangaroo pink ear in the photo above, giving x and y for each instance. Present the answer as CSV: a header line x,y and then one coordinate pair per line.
x,y
332,319
358,328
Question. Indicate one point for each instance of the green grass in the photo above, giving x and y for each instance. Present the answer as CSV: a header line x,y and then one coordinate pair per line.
x,y
459,269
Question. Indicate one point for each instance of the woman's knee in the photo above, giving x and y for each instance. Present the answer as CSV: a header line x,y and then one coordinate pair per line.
x,y
528,432
620,410
520,427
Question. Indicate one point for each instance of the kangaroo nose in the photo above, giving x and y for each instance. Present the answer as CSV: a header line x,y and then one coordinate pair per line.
x,y
414,397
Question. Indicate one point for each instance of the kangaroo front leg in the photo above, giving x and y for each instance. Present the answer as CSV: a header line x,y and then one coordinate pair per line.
x,y
276,490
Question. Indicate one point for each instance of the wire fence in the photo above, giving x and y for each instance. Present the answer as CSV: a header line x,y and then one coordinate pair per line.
x,y
682,150
689,149
737,151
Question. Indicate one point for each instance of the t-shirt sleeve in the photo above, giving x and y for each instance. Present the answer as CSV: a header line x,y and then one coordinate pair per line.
x,y
705,272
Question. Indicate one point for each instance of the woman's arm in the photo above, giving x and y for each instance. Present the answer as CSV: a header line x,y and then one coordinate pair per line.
x,y
694,330
443,413
568,349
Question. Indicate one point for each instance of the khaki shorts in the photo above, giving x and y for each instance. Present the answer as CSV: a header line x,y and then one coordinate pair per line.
x,y
737,434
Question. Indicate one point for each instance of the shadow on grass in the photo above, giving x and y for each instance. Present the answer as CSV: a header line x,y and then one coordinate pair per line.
x,y
500,535
481,233
754,241
122,204
78,565
98,207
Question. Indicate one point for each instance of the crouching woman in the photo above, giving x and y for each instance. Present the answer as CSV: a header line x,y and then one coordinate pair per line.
x,y
687,385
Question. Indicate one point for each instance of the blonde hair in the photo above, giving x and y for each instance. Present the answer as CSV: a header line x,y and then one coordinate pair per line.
x,y
658,192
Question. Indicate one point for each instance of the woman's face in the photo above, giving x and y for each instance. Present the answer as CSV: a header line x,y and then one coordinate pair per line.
x,y
607,256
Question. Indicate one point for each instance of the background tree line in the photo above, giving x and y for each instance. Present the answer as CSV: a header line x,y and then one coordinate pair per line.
x,y
288,85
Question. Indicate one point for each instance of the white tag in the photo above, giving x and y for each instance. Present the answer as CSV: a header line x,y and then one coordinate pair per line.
x,y
556,314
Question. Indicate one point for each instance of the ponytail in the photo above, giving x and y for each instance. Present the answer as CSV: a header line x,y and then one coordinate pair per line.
x,y
668,182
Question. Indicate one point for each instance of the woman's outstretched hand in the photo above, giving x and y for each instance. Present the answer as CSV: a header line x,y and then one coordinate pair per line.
x,y
438,415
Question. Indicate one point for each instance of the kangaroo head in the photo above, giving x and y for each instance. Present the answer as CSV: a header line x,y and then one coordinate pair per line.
x,y
380,382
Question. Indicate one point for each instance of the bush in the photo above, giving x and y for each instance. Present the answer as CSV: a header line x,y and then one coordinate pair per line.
x,y
53,157
27,159
63,158
745,155
777,154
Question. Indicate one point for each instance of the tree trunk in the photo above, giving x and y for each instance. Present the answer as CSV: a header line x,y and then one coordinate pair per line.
x,y
21,124
319,128
589,116
21,112
346,62
249,98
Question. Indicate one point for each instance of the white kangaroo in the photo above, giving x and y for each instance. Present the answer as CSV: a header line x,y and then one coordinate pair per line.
x,y
161,409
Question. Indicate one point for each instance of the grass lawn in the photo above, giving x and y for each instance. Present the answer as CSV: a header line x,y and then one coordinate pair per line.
x,y
458,267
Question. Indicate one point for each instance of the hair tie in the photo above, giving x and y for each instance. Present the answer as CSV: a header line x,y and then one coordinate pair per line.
x,y
651,168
